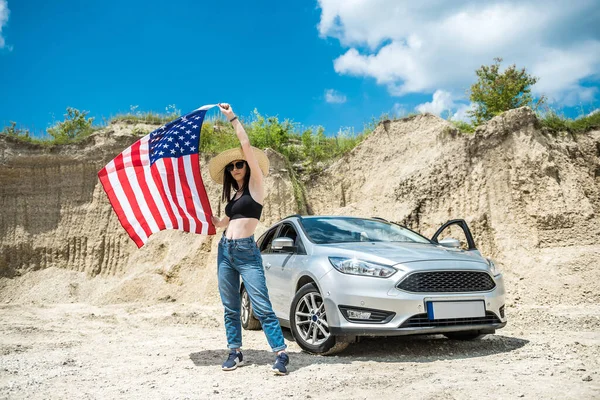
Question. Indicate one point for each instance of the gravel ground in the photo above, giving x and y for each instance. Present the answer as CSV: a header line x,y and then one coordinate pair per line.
x,y
174,351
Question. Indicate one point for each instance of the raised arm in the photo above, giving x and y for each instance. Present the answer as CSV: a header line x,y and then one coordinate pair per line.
x,y
256,175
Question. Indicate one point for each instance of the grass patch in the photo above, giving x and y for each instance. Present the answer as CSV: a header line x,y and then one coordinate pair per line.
x,y
75,128
463,127
299,190
556,123
307,145
135,116
143,118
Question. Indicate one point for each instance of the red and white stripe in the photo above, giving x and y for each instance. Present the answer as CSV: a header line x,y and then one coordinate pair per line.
x,y
169,194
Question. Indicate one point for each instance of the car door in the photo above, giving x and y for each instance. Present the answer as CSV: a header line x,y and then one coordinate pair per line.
x,y
264,245
282,271
273,258
459,230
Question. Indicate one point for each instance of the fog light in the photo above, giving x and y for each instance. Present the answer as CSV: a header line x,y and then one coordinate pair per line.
x,y
366,315
358,314
502,312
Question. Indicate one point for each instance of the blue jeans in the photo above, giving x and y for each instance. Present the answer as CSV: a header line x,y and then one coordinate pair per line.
x,y
242,257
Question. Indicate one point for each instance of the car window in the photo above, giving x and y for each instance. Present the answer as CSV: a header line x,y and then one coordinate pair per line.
x,y
455,232
323,230
288,230
261,239
267,239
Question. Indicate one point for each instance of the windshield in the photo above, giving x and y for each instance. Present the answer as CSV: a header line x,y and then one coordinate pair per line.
x,y
322,230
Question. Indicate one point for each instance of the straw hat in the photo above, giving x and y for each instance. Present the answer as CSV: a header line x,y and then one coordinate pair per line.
x,y
217,164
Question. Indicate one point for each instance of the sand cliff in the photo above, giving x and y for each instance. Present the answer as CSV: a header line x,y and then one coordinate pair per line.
x,y
532,201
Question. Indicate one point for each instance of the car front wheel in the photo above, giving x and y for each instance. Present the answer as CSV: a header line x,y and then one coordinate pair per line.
x,y
308,320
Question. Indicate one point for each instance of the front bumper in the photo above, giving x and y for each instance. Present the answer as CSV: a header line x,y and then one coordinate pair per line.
x,y
409,309
353,331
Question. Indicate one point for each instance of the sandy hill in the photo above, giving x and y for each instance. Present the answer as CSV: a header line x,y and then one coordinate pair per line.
x,y
531,199
60,240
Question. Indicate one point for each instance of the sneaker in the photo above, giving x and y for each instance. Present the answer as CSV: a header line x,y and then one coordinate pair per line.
x,y
280,362
236,359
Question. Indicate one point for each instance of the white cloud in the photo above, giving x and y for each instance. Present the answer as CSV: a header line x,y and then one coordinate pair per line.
x,y
596,111
418,47
442,101
333,96
443,104
4,13
560,70
398,110
461,113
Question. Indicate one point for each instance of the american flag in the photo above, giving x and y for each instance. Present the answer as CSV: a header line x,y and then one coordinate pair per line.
x,y
155,184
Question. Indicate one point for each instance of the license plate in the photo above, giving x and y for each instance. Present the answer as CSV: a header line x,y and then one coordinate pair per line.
x,y
455,309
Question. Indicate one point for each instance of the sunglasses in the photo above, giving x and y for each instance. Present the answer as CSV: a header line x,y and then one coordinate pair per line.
x,y
237,165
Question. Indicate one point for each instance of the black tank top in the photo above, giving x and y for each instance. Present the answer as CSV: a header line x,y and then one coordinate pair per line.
x,y
244,207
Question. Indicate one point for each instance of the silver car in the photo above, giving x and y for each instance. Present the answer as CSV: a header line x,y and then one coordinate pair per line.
x,y
332,279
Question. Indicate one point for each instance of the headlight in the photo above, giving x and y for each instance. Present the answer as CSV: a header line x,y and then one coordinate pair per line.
x,y
494,269
353,266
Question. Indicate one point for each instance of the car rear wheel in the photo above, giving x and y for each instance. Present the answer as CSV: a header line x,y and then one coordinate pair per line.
x,y
464,335
249,321
308,321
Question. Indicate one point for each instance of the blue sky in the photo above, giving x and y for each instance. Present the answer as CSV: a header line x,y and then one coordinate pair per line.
x,y
328,62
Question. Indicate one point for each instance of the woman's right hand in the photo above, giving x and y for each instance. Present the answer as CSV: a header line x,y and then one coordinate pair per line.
x,y
226,110
215,221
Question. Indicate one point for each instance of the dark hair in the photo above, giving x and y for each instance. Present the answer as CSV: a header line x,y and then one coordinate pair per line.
x,y
229,182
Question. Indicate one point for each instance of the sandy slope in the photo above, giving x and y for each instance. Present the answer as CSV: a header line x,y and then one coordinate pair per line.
x,y
532,200
60,240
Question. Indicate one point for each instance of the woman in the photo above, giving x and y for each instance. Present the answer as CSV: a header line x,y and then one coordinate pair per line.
x,y
243,170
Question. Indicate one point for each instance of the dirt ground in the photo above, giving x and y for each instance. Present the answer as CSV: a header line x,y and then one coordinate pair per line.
x,y
174,351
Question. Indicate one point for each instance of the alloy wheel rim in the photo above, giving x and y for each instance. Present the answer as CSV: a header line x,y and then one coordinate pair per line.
x,y
311,319
245,307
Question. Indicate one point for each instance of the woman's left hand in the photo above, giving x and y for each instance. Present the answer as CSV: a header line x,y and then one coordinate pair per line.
x,y
227,110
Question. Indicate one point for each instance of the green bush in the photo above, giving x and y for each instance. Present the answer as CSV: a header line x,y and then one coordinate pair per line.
x,y
270,132
496,92
13,131
462,126
308,145
75,126
317,150
216,136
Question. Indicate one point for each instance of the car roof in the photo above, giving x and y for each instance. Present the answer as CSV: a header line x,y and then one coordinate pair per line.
x,y
298,216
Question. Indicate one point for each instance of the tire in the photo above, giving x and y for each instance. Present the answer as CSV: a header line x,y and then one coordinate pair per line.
x,y
464,335
249,321
312,335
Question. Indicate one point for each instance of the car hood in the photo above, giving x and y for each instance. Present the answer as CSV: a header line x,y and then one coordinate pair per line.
x,y
400,252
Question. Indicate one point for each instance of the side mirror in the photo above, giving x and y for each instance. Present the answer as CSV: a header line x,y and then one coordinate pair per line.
x,y
281,243
449,242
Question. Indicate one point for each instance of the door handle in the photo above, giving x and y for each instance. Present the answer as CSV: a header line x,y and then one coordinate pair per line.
x,y
268,265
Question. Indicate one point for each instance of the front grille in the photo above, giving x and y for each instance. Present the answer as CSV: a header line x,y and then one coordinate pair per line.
x,y
447,282
421,321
